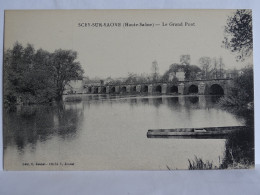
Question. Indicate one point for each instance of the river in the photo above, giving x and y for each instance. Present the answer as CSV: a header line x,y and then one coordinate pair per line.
x,y
103,132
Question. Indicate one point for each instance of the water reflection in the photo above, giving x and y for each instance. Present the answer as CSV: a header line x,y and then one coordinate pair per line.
x,y
30,124
194,99
104,128
239,152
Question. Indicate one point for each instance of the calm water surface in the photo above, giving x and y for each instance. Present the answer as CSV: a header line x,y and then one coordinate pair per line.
x,y
109,132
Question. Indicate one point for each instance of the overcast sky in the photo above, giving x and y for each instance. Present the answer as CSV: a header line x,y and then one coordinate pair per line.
x,y
115,51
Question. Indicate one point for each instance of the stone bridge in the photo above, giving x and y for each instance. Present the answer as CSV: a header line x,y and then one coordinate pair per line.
x,y
201,87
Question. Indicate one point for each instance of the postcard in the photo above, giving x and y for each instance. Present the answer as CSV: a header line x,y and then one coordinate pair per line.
x,y
128,90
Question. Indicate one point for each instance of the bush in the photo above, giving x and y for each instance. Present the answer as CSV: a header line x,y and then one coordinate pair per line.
x,y
242,92
199,164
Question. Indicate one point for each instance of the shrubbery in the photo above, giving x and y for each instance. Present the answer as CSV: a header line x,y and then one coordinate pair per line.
x,y
242,91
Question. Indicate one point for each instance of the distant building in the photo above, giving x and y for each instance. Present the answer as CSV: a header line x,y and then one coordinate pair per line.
x,y
180,75
172,75
74,86
108,80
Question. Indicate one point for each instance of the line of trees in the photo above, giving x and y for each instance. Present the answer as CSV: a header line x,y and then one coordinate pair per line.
x,y
212,68
38,76
238,39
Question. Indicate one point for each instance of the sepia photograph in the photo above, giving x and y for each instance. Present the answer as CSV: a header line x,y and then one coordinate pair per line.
x,y
128,90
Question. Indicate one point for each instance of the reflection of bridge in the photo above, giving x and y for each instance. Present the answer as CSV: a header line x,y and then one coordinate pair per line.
x,y
194,101
215,86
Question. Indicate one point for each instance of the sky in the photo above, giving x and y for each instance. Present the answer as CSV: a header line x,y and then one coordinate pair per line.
x,y
116,51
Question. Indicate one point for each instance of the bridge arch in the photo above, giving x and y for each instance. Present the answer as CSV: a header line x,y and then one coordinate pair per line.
x,y
193,89
103,90
173,89
123,89
95,89
145,89
134,89
113,90
216,89
89,89
158,89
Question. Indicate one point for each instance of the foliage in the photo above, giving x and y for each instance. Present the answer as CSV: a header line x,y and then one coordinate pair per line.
x,y
185,59
136,78
205,63
242,91
238,38
155,70
239,151
240,145
37,76
65,69
190,71
238,34
199,164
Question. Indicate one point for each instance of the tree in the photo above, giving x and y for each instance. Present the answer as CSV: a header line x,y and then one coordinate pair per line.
x,y
205,63
238,34
242,91
37,77
190,71
65,69
185,59
131,78
155,70
27,75
221,66
215,69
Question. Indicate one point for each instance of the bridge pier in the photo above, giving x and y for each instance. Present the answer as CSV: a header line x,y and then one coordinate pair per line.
x,y
99,89
117,89
201,87
164,88
128,88
138,88
107,89
150,89
92,89
181,88
86,90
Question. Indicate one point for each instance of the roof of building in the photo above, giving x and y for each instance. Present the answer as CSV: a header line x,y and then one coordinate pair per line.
x,y
74,84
